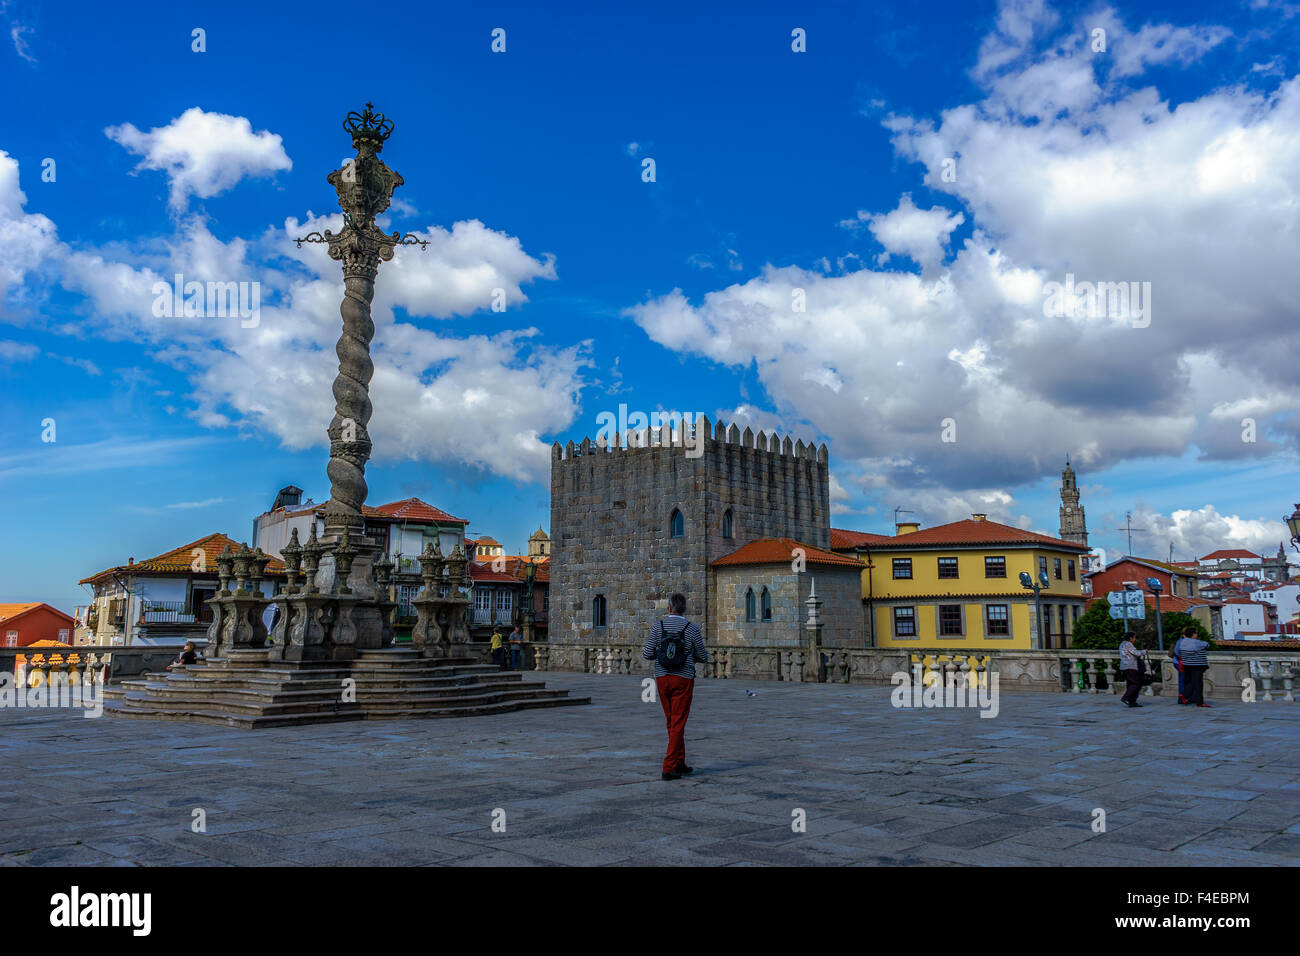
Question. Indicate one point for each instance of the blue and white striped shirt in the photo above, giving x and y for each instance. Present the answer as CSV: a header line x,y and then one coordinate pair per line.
x,y
1191,651
694,645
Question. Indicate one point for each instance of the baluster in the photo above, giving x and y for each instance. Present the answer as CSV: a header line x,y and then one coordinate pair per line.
x,y
1288,675
1078,683
1097,675
1266,678
1066,673
726,664
1114,678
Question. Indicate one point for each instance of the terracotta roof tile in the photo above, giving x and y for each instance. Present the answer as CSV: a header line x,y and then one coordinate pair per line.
x,y
970,531
413,509
181,560
13,610
484,572
842,540
781,551
1229,553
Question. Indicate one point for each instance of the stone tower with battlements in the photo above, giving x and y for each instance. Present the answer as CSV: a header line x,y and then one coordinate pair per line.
x,y
1074,525
612,522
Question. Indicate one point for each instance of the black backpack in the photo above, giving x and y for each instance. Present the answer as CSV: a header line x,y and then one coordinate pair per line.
x,y
674,650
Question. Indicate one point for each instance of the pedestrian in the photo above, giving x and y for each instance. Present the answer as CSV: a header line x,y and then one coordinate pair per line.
x,y
1130,665
1190,651
675,644
1182,677
498,649
516,649
188,655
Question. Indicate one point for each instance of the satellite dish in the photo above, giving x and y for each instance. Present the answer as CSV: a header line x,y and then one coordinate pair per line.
x,y
1026,580
1042,578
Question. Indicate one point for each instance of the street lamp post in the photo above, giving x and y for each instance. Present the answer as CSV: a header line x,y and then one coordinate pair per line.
x,y
1037,586
1155,587
1293,525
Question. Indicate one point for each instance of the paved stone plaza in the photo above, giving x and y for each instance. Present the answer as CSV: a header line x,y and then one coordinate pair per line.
x,y
580,785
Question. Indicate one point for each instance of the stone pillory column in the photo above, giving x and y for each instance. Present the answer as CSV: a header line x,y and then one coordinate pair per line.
x,y
365,188
351,577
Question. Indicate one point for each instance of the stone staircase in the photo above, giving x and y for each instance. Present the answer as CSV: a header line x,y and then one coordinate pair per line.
x,y
247,689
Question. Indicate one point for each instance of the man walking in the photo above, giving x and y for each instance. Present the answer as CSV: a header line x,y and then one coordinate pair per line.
x,y
516,649
1190,651
675,644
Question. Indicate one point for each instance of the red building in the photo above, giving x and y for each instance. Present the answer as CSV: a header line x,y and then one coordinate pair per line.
x,y
24,624
1176,581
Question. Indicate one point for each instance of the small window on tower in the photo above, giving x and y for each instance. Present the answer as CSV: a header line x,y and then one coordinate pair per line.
x,y
726,523
677,524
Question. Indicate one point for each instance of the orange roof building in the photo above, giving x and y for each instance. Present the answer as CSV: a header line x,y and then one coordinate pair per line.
x,y
162,599
22,625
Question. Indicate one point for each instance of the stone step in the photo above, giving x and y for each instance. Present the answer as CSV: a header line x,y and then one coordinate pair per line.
x,y
230,696
287,720
248,690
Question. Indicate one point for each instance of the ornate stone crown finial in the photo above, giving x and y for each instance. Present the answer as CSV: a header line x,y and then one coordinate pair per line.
x,y
368,127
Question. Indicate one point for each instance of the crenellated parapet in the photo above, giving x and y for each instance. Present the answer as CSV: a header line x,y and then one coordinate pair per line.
x,y
691,437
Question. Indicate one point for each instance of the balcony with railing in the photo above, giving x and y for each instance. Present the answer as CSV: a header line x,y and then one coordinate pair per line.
x,y
487,615
166,612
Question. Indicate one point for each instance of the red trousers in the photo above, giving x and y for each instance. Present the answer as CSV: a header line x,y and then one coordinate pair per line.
x,y
675,694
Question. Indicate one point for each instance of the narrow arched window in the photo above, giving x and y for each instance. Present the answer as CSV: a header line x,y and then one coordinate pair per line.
x,y
677,524
726,523
767,605
598,611
750,605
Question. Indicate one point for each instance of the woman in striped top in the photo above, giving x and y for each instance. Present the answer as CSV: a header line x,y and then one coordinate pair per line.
x,y
1190,650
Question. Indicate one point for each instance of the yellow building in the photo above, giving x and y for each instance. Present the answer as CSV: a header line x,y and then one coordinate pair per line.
x,y
958,585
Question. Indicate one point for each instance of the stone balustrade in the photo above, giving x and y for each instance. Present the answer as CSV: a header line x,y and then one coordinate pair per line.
x,y
102,662
1071,671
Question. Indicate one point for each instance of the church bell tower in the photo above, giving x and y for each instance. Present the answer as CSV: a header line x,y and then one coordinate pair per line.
x,y
1074,526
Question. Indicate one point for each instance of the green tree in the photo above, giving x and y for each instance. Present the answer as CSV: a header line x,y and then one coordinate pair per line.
x,y
1173,623
1097,630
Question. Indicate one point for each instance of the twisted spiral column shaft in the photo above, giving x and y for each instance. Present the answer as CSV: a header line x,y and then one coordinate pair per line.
x,y
349,439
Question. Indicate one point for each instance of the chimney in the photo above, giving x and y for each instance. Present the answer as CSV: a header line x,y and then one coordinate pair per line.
x,y
978,516
906,527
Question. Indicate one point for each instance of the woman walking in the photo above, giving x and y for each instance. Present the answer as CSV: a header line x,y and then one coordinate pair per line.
x,y
1130,665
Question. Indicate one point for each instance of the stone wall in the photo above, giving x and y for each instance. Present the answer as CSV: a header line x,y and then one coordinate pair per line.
x,y
839,588
1276,677
610,513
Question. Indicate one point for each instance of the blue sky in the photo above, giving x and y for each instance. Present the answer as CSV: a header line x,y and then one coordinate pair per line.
x,y
1173,156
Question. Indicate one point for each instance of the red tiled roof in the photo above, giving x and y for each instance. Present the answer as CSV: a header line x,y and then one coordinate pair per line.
x,y
485,540
1148,562
781,551
1228,643
970,531
13,610
1229,553
514,566
9,612
181,560
1169,602
484,572
366,511
413,509
842,540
